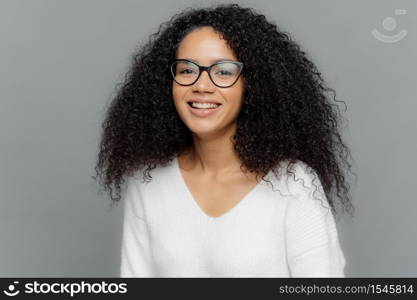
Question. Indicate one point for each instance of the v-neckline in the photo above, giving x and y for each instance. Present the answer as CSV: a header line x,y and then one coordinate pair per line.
x,y
244,200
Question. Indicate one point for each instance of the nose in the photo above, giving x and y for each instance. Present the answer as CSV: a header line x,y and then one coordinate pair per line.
x,y
204,82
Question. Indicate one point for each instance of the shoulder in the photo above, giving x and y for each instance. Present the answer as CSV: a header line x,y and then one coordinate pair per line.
x,y
301,188
147,180
145,184
300,180
149,173
307,199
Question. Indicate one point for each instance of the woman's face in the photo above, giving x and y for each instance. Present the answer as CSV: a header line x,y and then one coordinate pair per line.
x,y
204,46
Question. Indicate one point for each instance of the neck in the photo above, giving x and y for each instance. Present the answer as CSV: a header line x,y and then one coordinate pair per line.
x,y
213,154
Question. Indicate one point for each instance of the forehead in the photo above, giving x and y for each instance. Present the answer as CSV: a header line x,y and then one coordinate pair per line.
x,y
205,46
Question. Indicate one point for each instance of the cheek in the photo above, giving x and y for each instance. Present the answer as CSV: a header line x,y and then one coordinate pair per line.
x,y
235,95
177,93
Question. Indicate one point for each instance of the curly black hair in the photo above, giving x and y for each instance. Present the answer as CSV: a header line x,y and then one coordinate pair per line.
x,y
285,99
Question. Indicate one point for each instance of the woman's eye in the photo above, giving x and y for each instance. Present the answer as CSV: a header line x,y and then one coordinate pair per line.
x,y
224,73
186,71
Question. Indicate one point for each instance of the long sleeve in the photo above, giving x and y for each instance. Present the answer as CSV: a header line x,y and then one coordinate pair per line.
x,y
135,250
313,248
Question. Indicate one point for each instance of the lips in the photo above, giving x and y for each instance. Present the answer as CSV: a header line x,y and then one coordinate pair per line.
x,y
204,112
203,101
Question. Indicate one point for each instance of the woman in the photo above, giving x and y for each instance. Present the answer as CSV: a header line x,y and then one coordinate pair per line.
x,y
218,99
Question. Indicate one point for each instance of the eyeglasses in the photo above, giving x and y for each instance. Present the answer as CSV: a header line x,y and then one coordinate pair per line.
x,y
223,74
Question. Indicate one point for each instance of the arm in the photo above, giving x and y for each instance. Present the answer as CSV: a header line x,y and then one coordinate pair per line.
x,y
135,250
313,248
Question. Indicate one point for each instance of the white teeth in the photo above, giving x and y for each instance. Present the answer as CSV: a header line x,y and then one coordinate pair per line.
x,y
204,105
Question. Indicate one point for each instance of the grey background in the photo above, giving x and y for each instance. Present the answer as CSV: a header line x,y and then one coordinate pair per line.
x,y
60,62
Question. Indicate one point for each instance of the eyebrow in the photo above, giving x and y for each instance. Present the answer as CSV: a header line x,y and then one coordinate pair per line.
x,y
212,62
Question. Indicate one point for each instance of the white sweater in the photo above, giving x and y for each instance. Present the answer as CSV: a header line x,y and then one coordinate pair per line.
x,y
267,234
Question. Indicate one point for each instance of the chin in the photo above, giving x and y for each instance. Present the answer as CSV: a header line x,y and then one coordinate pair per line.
x,y
201,130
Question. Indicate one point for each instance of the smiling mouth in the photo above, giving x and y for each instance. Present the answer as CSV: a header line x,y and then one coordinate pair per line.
x,y
197,105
